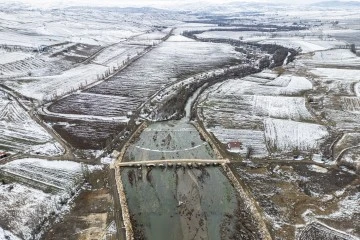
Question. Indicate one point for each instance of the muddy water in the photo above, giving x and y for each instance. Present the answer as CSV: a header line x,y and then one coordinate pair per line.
x,y
181,203
169,140
176,203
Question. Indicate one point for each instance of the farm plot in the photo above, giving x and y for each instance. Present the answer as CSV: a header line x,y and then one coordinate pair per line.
x,y
74,52
284,135
252,141
293,195
242,106
342,120
335,57
306,44
152,38
96,27
351,104
347,150
340,105
250,110
350,158
87,134
46,87
291,39
283,85
118,54
8,57
31,40
32,66
42,174
281,107
95,104
339,81
125,92
172,61
19,133
317,230
24,207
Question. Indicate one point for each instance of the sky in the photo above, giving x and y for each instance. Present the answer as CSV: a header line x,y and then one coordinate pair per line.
x,y
140,3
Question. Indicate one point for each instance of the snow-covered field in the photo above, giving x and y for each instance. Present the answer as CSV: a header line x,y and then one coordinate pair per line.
x,y
337,57
281,107
118,54
248,138
296,40
24,207
276,105
7,57
162,66
284,135
306,45
51,86
39,48
339,81
56,175
261,85
337,73
253,109
20,133
36,28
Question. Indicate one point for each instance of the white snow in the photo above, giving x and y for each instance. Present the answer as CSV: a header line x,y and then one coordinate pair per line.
x,y
347,207
284,135
20,133
23,208
318,169
47,149
107,160
6,235
281,107
52,86
7,57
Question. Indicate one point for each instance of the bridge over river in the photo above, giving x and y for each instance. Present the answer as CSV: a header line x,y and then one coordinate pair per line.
x,y
173,162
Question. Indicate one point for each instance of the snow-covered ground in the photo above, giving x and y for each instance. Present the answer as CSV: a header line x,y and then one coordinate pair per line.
x,y
244,109
43,87
20,133
35,28
42,190
7,57
60,175
38,53
296,40
284,135
165,64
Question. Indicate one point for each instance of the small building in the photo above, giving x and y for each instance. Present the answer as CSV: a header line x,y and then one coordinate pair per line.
x,y
3,155
233,145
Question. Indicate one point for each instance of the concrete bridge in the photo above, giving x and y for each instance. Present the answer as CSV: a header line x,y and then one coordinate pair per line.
x,y
175,162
